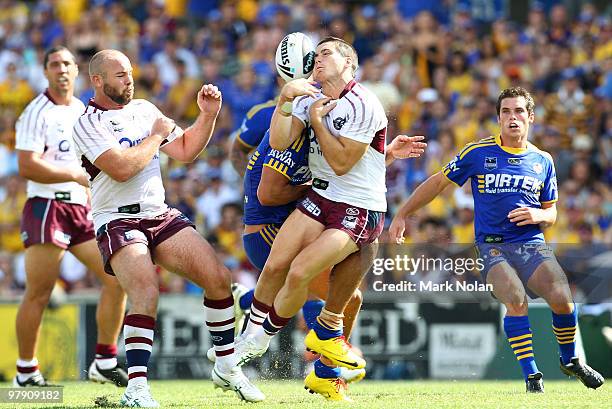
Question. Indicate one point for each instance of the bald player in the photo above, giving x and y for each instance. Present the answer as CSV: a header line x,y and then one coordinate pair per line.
x,y
118,140
56,218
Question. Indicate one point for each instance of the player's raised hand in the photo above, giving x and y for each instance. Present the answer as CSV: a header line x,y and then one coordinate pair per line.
x,y
321,108
526,215
162,126
210,100
404,147
299,87
397,229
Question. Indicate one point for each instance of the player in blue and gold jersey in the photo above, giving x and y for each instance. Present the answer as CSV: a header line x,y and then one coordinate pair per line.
x,y
515,189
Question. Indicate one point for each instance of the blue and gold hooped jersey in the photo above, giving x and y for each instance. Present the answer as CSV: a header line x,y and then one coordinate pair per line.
x,y
504,179
256,123
291,163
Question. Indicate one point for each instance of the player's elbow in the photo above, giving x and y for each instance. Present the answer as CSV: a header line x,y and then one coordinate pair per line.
x,y
265,195
341,169
120,175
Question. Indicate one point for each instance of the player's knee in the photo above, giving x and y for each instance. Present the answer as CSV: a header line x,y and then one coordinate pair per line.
x,y
273,272
560,300
38,296
517,308
296,278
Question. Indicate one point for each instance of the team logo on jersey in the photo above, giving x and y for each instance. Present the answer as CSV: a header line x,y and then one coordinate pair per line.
x,y
490,163
537,168
494,252
350,222
116,126
339,122
514,161
351,211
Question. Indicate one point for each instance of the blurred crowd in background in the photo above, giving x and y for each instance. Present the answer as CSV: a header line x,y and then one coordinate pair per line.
x,y
436,65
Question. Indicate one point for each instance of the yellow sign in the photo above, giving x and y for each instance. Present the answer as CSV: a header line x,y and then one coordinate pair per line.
x,y
57,343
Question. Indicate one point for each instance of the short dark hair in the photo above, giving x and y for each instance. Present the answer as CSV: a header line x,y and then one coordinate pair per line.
x,y
54,50
344,48
515,92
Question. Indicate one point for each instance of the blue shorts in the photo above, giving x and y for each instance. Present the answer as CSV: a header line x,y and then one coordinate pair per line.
x,y
258,245
525,258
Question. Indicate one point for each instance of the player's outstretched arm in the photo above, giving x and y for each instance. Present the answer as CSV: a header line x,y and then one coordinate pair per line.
x,y
33,167
123,164
340,153
197,136
275,190
284,128
546,216
404,147
422,195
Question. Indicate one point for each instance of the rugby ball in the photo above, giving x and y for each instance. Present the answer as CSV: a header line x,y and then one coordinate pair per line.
x,y
295,57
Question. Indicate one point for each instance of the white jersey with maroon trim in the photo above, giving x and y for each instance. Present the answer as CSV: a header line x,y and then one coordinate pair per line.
x,y
46,127
99,130
358,115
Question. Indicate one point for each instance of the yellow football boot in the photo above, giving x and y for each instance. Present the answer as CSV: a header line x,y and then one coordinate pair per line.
x,y
335,349
330,388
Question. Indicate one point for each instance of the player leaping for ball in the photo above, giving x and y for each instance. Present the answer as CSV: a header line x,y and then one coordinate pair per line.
x,y
515,189
345,208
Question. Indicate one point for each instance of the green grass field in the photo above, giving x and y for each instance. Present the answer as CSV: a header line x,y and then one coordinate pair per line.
x,y
367,394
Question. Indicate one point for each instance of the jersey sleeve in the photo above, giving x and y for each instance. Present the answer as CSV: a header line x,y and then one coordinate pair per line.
x,y
92,138
301,107
549,192
460,168
252,130
30,135
286,162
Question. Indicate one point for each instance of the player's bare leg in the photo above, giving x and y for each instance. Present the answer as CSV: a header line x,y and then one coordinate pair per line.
x,y
42,263
296,233
109,317
549,281
135,271
189,255
509,290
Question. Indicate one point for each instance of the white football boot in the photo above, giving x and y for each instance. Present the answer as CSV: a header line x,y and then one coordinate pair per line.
x,y
237,382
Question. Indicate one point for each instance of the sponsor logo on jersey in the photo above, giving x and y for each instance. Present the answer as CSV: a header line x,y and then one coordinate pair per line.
x,y
339,122
350,222
506,183
514,161
490,163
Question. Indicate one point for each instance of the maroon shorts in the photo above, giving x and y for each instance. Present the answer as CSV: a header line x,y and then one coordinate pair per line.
x,y
362,225
53,221
122,232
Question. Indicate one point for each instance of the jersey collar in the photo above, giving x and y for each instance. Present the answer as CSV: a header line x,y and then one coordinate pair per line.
x,y
98,107
514,151
48,95
347,88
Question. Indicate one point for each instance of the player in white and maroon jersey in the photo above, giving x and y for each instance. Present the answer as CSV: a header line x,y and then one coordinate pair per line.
x,y
56,218
118,141
344,210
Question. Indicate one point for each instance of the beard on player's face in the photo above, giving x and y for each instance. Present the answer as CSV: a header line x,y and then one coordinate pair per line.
x,y
121,98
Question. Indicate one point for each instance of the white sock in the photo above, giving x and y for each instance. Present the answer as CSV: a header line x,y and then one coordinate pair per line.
x,y
106,363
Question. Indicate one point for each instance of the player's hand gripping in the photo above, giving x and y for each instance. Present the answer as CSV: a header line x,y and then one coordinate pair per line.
x,y
298,88
210,100
404,147
526,215
397,229
321,108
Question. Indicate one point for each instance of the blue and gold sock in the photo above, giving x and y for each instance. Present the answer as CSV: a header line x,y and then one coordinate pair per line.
x,y
324,371
519,336
311,310
564,328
